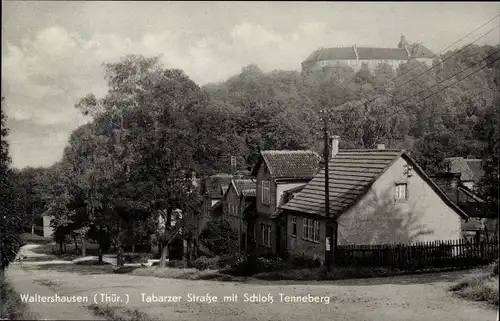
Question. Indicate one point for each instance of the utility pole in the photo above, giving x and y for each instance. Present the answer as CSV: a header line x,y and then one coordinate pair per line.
x,y
329,225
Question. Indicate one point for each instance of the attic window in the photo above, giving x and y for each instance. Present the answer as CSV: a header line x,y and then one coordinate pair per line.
x,y
401,191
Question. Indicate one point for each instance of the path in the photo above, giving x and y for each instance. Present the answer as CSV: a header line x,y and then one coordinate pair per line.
x,y
422,297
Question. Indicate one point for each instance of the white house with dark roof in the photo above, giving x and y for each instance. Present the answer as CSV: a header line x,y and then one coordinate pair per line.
x,y
376,197
276,172
355,56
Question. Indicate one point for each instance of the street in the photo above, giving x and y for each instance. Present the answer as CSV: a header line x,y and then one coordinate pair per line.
x,y
418,297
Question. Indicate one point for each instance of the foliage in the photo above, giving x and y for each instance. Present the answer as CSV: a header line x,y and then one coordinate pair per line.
x,y
205,263
219,237
10,221
136,257
252,264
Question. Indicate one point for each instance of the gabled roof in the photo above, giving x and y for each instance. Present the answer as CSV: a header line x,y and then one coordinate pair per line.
x,y
352,172
289,164
241,185
471,169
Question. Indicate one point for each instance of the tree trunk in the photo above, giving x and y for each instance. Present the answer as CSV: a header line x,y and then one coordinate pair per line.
x,y
60,247
99,260
76,244
164,254
84,246
133,247
119,245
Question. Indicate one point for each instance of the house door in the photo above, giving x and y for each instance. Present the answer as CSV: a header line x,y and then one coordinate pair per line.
x,y
281,237
243,242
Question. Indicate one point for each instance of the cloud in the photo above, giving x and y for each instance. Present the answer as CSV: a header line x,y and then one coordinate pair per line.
x,y
44,76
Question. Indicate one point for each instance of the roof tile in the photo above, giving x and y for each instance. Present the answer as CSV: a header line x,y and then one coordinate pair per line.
x,y
351,173
292,164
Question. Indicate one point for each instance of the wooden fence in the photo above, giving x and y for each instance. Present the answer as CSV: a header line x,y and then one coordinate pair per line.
x,y
458,253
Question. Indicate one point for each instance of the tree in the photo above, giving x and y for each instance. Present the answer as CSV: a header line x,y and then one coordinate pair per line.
x,y
219,237
10,225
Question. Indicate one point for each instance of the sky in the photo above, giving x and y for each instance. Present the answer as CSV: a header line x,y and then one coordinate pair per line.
x,y
52,52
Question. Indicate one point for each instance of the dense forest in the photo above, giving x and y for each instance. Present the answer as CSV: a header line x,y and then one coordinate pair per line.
x,y
155,127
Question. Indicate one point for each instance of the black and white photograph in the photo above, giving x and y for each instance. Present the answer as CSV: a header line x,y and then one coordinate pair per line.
x,y
248,161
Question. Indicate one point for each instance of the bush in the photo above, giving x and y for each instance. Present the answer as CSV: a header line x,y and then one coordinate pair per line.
x,y
495,268
219,237
36,239
252,264
180,264
136,257
304,261
479,287
205,263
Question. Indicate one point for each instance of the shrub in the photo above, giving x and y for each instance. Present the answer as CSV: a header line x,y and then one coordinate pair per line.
x,y
495,268
36,239
136,257
205,263
304,261
219,237
180,264
252,264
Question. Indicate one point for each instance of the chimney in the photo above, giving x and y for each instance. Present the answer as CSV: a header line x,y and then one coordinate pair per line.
x,y
448,183
334,145
380,146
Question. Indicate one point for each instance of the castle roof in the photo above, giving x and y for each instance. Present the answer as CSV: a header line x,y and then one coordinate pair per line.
x,y
370,53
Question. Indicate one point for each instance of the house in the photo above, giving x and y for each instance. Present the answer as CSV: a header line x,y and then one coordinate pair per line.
x,y
48,230
239,197
483,222
276,172
377,196
470,169
355,56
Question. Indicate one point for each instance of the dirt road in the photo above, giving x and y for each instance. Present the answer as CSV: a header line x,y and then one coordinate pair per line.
x,y
423,297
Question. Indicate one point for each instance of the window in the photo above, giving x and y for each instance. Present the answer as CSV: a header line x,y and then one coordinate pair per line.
x,y
266,192
401,191
294,225
269,231
305,230
311,230
263,233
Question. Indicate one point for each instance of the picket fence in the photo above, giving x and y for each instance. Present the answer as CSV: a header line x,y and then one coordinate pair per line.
x,y
454,253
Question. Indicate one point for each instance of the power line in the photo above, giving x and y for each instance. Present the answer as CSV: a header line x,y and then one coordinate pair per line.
x,y
437,84
434,93
417,66
433,67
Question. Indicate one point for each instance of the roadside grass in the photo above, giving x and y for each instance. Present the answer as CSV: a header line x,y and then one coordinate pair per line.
x,y
11,306
182,273
482,285
91,262
119,313
35,239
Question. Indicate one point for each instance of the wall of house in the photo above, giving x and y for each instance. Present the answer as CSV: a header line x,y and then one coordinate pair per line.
x,y
234,219
379,219
298,245
47,229
355,64
262,208
282,187
262,248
